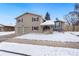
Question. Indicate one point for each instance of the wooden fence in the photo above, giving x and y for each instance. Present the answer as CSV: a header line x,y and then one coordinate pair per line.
x,y
70,28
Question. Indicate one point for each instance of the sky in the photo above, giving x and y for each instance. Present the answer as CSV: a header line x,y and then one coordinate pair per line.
x,y
9,11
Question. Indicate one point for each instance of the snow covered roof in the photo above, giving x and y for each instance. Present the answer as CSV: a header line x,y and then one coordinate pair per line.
x,y
1,25
48,22
9,25
62,20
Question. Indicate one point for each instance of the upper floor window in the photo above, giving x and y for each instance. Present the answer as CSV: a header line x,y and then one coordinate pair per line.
x,y
20,20
35,19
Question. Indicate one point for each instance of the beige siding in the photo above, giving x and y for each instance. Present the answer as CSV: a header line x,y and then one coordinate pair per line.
x,y
18,30
26,25
27,29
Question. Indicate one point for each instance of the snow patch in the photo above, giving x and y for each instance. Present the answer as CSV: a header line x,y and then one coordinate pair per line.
x,y
37,50
75,33
6,33
56,36
48,22
7,54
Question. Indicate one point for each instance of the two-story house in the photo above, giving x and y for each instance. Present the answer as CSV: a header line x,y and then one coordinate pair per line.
x,y
28,23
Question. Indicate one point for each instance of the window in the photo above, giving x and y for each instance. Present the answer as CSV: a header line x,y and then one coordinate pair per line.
x,y
35,19
35,28
57,23
20,20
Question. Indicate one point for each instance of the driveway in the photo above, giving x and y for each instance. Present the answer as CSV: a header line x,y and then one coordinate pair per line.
x,y
6,37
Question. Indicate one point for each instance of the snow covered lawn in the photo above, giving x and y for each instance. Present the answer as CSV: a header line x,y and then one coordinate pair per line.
x,y
6,33
37,50
56,36
7,54
75,33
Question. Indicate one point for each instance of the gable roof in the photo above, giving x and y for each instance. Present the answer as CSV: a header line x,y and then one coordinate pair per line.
x,y
28,13
2,25
60,20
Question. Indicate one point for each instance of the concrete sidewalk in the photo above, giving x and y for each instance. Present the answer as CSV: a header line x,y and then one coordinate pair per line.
x,y
46,43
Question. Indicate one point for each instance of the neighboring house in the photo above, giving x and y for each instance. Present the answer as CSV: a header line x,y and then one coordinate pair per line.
x,y
1,27
6,28
59,25
49,26
33,23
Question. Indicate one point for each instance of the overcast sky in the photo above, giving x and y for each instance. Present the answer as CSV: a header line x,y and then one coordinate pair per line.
x,y
9,11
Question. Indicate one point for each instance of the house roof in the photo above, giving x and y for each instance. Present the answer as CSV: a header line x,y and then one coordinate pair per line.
x,y
48,22
9,24
60,20
1,25
28,13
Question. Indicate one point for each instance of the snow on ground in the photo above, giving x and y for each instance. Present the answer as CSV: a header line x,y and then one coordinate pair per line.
x,y
56,36
6,33
37,50
7,54
75,33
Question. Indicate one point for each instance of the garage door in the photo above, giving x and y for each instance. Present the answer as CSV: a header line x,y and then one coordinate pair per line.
x,y
20,30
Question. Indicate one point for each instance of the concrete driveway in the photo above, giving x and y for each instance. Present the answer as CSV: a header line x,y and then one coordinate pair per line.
x,y
6,37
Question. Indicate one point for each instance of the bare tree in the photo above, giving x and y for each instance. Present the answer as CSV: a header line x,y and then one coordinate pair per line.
x,y
66,17
72,18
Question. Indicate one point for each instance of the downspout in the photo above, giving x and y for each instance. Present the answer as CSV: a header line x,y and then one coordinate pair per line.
x,y
23,29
